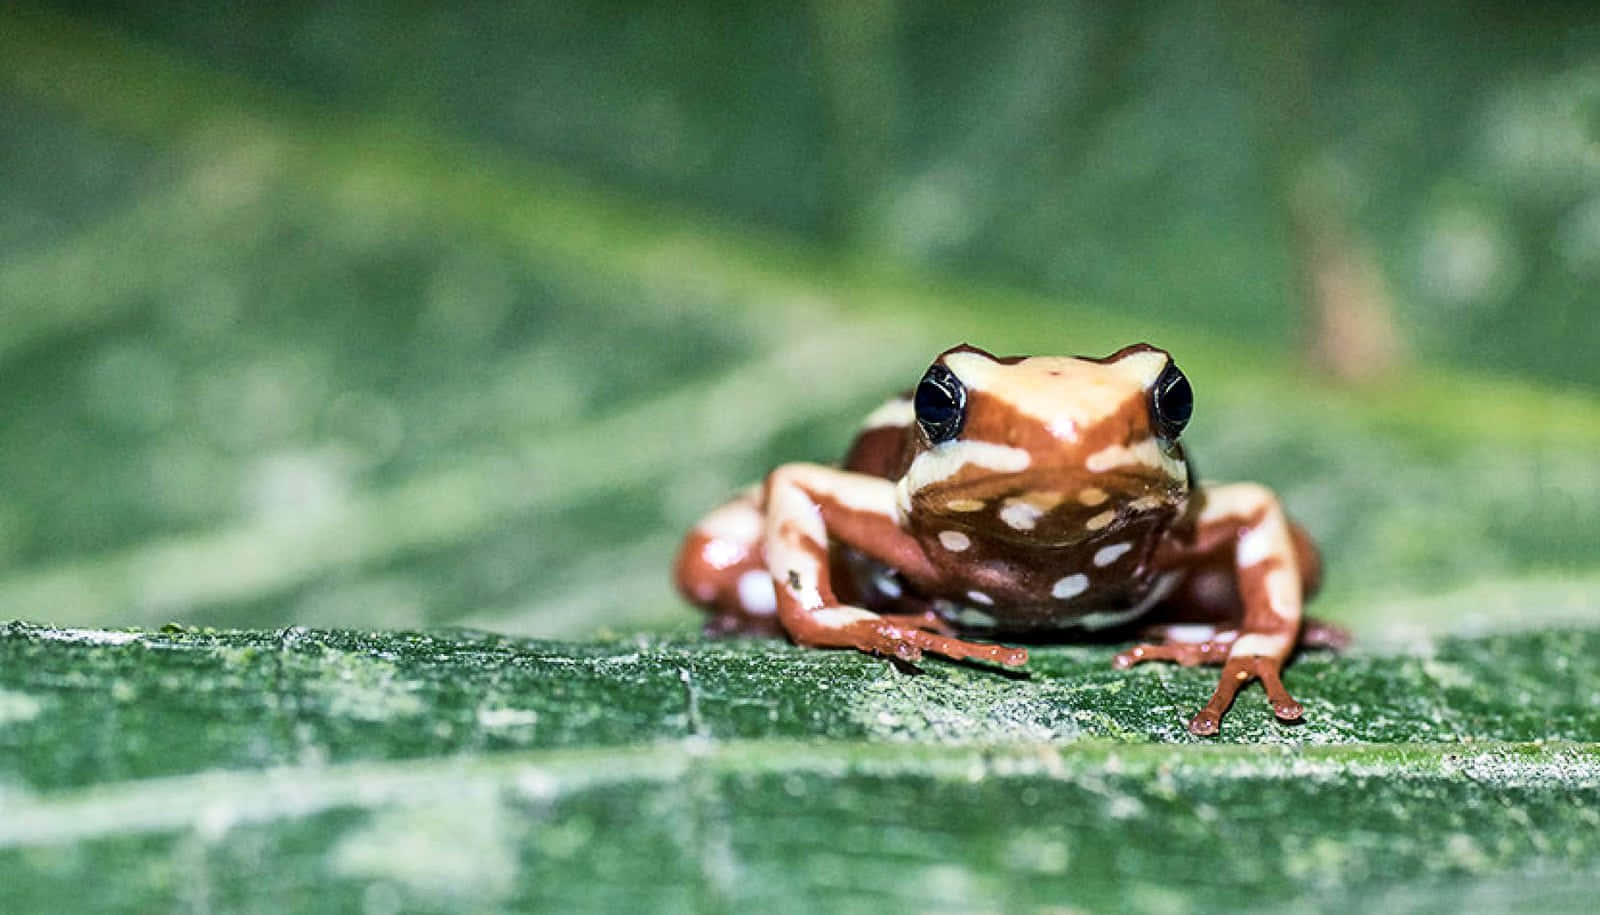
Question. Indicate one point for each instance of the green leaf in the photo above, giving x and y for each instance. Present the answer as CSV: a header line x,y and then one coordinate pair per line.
x,y
348,457
321,770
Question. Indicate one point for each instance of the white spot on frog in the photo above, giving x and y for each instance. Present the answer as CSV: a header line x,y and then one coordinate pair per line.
x,y
954,541
981,598
1020,515
756,593
1024,511
1106,555
1101,520
1070,586
886,581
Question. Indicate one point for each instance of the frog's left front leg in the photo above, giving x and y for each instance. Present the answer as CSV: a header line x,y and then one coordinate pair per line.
x,y
807,507
1244,524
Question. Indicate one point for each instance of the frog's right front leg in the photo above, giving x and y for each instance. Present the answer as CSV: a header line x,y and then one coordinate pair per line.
x,y
806,506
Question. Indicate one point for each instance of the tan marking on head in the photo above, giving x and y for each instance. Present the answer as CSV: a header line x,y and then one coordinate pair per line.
x,y
1148,453
944,461
1101,520
1065,394
964,505
1092,496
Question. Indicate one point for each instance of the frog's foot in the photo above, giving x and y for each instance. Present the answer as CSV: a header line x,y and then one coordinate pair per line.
x,y
1315,633
1238,671
1186,645
1193,645
888,638
927,619
892,637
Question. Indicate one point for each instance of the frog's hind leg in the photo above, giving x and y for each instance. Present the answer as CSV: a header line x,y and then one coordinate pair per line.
x,y
1315,633
722,570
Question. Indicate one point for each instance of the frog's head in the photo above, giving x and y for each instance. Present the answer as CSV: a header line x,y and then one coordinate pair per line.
x,y
1048,449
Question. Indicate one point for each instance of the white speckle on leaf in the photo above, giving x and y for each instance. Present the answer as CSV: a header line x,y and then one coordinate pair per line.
x,y
460,849
88,636
367,689
18,708
494,718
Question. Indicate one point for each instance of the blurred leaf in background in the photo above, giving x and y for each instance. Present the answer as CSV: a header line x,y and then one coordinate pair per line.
x,y
347,314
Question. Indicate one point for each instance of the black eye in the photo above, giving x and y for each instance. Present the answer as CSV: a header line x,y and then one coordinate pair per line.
x,y
941,404
1171,402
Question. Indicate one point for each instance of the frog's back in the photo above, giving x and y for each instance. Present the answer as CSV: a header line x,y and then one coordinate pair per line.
x,y
882,446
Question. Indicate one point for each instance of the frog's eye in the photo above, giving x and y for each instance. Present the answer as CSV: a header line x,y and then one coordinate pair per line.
x,y
941,404
1171,402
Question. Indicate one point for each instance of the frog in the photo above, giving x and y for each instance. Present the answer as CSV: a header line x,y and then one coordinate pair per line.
x,y
1012,498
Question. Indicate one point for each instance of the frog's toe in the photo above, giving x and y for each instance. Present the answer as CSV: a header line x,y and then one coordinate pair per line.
x,y
1188,654
1238,672
960,649
1205,724
927,619
1284,705
884,639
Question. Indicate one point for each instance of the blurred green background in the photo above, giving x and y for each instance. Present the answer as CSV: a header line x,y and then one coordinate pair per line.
x,y
393,315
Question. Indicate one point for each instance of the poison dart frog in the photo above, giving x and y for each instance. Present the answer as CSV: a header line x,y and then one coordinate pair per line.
x,y
1018,495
